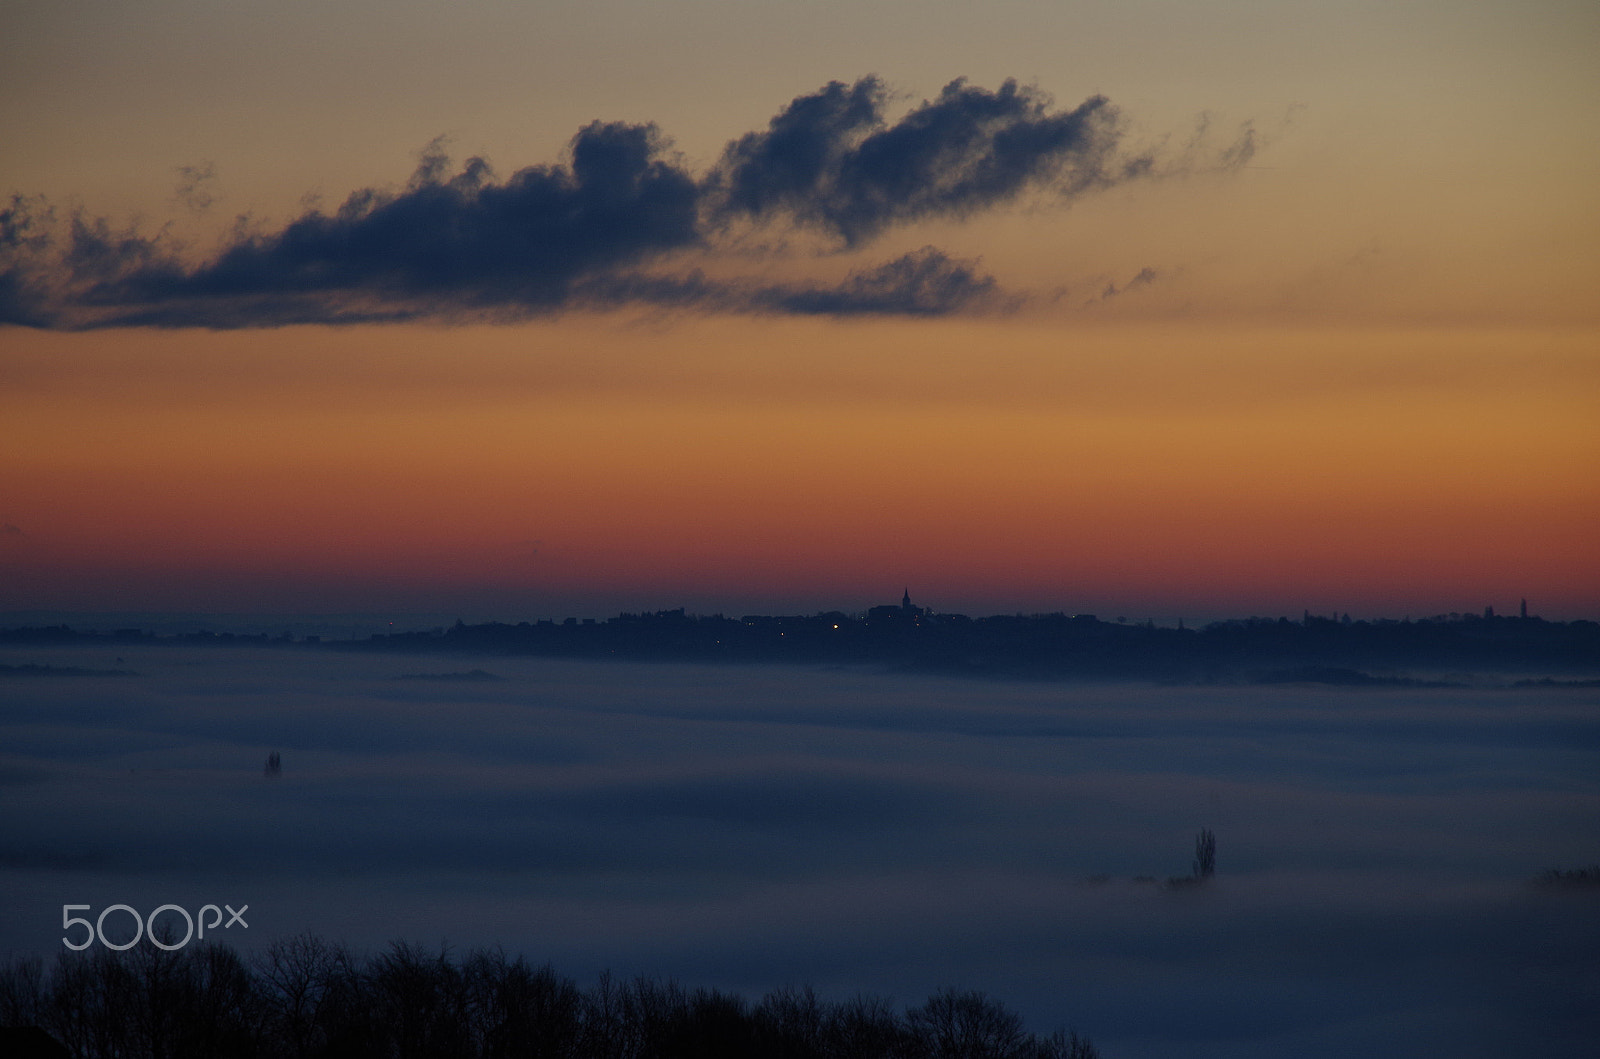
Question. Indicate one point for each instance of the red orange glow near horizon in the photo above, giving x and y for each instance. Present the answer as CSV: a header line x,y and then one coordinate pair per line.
x,y
229,476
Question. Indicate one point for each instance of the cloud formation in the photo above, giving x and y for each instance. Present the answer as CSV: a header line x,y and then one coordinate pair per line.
x,y
599,230
458,241
196,186
831,160
925,282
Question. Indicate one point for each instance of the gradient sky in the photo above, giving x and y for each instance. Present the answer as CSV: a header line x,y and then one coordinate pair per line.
x,y
1321,330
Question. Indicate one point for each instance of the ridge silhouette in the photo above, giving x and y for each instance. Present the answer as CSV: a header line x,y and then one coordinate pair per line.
x,y
1320,650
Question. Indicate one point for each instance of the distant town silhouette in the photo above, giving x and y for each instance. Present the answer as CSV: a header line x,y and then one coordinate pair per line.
x,y
1319,649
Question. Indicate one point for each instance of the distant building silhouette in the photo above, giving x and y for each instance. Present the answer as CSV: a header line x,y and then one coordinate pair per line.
x,y
890,612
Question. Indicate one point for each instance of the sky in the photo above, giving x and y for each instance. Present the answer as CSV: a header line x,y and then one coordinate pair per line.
x,y
517,310
748,828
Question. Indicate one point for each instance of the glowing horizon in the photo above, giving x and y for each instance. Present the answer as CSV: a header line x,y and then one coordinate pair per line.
x,y
1099,348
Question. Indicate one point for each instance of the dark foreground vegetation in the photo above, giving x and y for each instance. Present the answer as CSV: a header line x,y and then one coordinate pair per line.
x,y
304,997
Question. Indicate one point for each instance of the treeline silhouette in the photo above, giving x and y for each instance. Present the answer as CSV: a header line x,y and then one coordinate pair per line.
x,y
304,997
1277,650
1313,649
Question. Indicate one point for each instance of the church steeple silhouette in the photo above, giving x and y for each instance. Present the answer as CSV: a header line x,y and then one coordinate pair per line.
x,y
890,612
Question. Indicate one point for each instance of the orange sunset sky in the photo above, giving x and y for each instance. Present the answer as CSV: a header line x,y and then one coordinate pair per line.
x,y
1306,314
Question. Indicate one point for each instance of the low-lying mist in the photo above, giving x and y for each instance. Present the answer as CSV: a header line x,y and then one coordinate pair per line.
x,y
751,828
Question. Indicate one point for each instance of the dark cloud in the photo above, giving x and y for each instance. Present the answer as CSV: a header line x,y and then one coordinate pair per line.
x,y
923,283
196,183
1144,278
596,231
20,302
459,239
831,160
452,242
25,225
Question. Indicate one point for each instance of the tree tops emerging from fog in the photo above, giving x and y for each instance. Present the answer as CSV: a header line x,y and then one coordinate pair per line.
x,y
305,998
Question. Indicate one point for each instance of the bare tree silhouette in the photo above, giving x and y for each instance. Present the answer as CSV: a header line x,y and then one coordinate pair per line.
x,y
303,998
